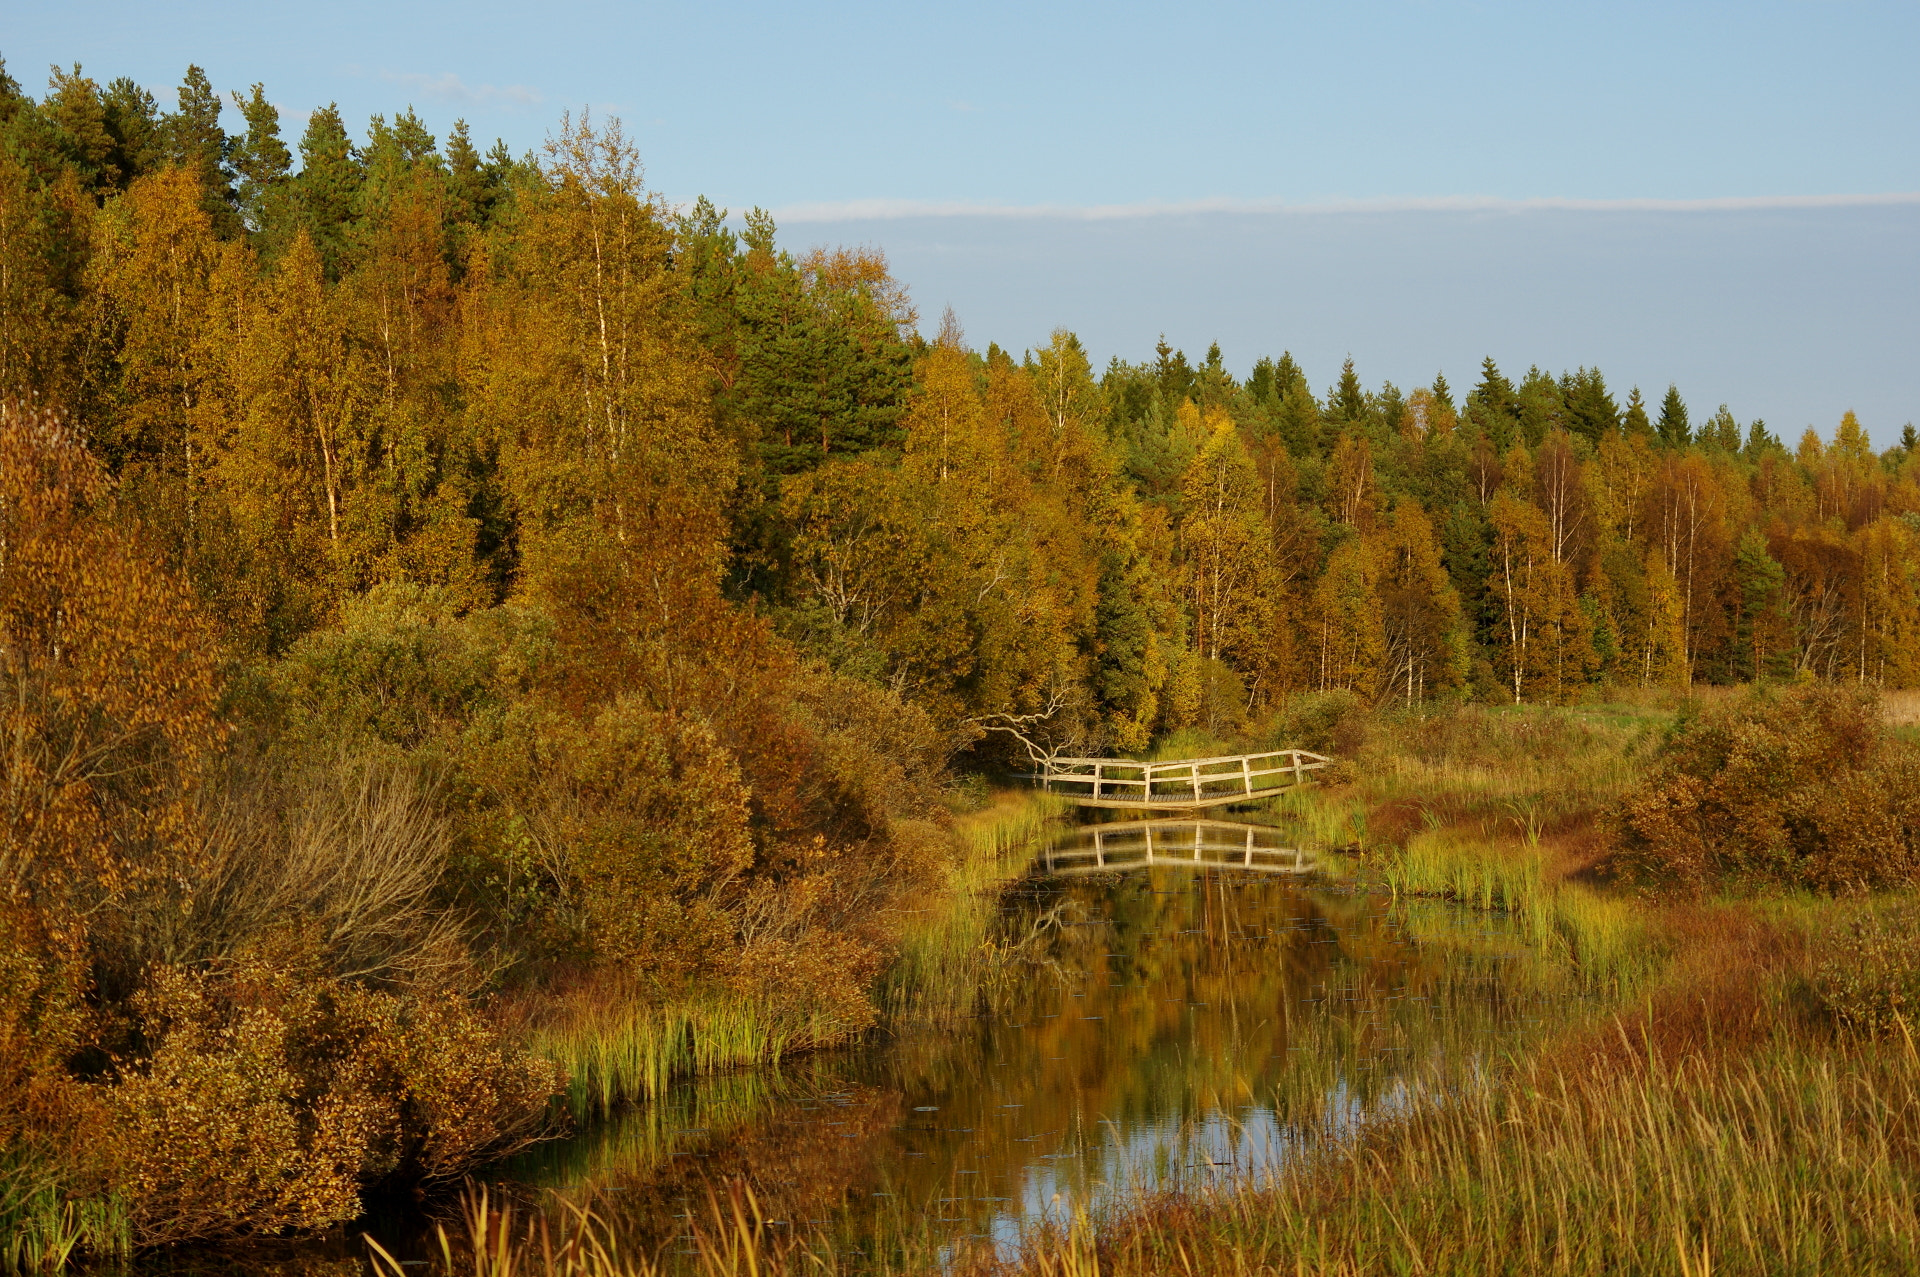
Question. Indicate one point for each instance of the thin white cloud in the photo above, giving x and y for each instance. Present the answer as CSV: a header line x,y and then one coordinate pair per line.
x,y
884,209
448,87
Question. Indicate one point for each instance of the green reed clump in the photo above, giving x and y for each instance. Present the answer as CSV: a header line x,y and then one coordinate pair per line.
x,y
1459,866
1785,1162
617,1052
43,1225
1603,938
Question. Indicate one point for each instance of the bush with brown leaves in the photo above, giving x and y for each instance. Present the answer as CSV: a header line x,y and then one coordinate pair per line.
x,y
1802,788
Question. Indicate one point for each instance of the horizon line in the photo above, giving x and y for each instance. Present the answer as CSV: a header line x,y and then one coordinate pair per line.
x,y
901,209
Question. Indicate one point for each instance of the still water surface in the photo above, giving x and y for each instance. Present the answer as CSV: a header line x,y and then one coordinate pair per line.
x,y
1180,1000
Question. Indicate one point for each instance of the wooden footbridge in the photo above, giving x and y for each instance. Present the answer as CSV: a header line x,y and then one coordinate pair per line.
x,y
1191,784
1187,844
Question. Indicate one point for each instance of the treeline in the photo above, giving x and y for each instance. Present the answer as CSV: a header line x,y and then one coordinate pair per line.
x,y
433,576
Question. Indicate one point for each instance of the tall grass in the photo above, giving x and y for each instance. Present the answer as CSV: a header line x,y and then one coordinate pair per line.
x,y
947,946
615,1051
1785,1162
1605,940
43,1226
1529,769
728,1237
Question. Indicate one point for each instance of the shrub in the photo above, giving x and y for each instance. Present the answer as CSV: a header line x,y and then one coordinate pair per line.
x,y
1803,788
270,1092
1324,722
1868,976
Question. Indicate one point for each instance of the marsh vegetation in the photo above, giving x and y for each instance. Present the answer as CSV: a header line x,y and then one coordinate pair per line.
x,y
488,656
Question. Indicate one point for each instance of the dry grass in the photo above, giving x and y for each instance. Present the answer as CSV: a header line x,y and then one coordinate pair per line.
x,y
1902,709
1784,1162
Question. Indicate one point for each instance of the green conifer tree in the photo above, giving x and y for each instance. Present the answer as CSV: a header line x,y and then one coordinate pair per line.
x,y
1590,409
328,188
78,114
1541,405
197,143
133,121
1347,401
1721,432
1674,429
263,162
1493,407
1637,421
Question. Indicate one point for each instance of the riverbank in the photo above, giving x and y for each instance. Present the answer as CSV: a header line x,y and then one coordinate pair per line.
x,y
618,1046
1745,1097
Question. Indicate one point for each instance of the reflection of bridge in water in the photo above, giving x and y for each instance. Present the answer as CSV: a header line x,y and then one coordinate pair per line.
x,y
1189,844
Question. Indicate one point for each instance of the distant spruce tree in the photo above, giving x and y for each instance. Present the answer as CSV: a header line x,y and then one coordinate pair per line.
x,y
1674,430
1494,408
1636,421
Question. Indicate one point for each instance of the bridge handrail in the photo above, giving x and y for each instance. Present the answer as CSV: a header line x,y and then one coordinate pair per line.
x,y
1204,776
1186,762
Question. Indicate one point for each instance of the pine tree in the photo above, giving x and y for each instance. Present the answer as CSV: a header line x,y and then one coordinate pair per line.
x,y
263,163
197,143
1760,442
1541,407
79,117
1721,432
1298,418
133,121
1590,410
1494,408
1347,400
1174,374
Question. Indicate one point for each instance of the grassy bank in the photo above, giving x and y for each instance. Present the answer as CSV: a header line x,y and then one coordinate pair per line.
x,y
1787,1160
620,1046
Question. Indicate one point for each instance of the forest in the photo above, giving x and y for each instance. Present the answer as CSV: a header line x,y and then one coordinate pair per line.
x,y
446,594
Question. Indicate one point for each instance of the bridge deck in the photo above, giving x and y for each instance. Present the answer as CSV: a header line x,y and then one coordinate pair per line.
x,y
1188,784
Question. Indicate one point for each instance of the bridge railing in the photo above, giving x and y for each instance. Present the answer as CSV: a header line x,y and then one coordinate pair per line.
x,y
1187,782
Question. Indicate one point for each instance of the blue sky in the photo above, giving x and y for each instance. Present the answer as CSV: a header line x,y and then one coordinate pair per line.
x,y
1672,191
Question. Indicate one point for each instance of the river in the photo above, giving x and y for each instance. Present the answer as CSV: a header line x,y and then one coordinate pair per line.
x,y
1153,1021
